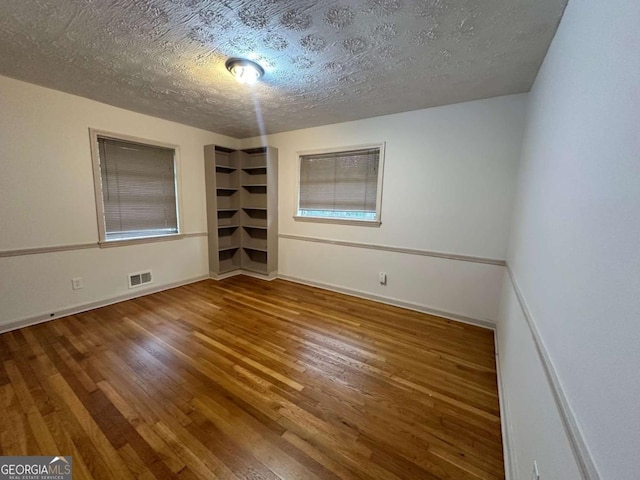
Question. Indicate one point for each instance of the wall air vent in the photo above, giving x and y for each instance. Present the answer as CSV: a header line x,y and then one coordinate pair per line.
x,y
139,278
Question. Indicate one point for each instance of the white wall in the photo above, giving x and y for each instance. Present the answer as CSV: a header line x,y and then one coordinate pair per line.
x,y
575,251
448,186
47,199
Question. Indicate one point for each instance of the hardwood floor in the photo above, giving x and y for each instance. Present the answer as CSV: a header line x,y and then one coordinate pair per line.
x,y
246,379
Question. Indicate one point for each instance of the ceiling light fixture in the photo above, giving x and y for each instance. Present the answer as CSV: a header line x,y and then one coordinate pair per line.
x,y
244,70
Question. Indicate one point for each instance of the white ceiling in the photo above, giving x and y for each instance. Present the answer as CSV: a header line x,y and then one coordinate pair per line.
x,y
325,61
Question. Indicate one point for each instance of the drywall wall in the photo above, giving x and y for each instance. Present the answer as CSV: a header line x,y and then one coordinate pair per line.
x,y
47,199
449,177
574,251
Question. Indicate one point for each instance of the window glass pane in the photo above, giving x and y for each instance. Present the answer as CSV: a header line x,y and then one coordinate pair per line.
x,y
138,189
339,185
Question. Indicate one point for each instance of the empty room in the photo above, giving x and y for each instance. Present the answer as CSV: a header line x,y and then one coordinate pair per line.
x,y
291,239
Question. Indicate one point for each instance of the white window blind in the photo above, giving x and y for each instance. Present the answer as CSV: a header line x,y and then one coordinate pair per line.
x,y
138,189
340,184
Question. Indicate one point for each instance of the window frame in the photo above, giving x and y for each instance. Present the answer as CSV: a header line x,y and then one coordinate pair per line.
x,y
94,134
342,221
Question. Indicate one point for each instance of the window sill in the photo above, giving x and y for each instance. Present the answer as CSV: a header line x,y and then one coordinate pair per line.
x,y
140,240
339,221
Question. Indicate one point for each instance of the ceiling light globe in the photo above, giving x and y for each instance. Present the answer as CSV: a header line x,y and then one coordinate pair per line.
x,y
245,71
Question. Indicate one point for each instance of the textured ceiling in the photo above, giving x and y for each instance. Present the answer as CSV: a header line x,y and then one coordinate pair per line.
x,y
325,61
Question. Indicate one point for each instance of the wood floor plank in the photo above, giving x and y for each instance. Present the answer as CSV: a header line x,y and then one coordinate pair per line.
x,y
247,379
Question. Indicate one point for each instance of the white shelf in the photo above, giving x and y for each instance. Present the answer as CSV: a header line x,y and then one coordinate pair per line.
x,y
255,249
225,169
260,167
256,227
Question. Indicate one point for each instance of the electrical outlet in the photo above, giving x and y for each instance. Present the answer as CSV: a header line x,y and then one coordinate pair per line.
x,y
382,277
535,474
77,283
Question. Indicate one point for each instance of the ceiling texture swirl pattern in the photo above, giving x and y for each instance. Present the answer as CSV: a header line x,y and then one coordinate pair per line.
x,y
325,61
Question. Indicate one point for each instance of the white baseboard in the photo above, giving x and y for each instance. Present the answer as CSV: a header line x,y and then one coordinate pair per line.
x,y
222,276
45,317
267,277
484,323
505,418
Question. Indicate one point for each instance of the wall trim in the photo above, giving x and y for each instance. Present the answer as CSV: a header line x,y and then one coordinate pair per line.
x,y
505,417
240,271
484,323
266,277
83,246
389,248
45,317
37,250
222,276
579,447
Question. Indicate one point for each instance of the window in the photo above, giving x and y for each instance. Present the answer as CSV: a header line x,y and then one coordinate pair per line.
x,y
342,186
136,188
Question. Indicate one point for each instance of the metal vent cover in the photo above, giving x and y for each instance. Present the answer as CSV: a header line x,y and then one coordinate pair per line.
x,y
140,278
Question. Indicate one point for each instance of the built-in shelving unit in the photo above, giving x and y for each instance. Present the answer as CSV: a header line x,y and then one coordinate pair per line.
x,y
242,210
